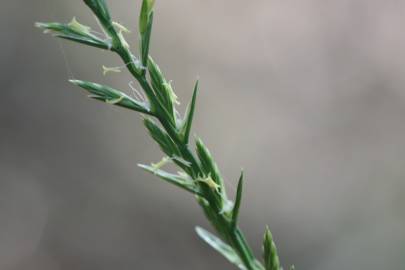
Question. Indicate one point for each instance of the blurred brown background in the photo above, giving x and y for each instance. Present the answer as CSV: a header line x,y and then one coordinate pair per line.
x,y
307,96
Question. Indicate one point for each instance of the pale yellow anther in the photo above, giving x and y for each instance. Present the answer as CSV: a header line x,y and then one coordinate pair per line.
x,y
107,70
121,28
123,41
160,164
78,27
115,100
210,183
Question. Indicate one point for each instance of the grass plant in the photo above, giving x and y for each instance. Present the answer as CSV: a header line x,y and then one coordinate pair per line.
x,y
198,172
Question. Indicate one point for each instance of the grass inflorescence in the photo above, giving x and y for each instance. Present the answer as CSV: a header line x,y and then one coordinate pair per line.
x,y
199,173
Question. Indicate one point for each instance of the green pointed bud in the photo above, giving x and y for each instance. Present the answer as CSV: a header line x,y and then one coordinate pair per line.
x,y
146,11
271,260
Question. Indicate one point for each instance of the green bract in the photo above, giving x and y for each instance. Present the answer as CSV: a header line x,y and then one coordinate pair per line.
x,y
199,173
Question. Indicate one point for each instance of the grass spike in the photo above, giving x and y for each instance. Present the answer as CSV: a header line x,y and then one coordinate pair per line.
x,y
199,172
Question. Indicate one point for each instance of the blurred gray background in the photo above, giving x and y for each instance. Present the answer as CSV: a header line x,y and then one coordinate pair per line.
x,y
307,96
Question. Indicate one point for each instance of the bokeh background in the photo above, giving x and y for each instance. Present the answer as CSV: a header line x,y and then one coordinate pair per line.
x,y
307,96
